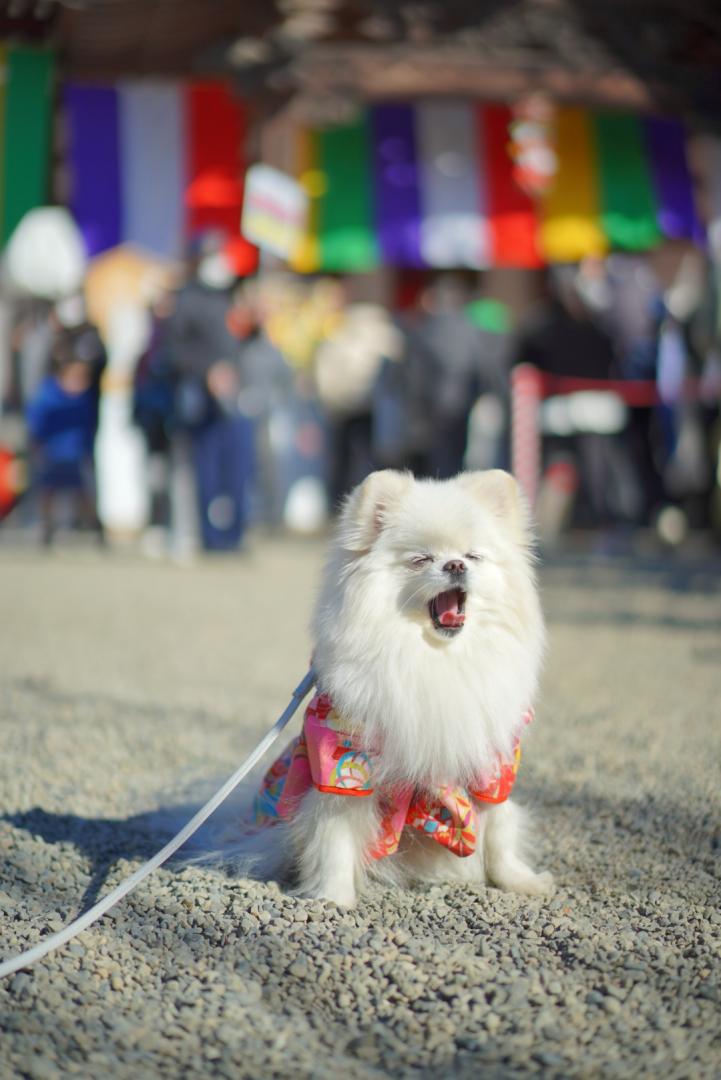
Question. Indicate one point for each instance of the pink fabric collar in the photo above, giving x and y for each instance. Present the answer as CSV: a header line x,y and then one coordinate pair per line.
x,y
327,757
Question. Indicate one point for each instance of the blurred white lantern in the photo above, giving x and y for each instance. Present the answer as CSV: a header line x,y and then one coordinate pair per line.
x,y
45,256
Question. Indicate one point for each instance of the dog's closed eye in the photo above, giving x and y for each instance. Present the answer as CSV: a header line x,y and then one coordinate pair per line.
x,y
474,556
417,561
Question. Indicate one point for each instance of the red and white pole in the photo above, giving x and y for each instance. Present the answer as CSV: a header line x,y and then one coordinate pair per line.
x,y
526,396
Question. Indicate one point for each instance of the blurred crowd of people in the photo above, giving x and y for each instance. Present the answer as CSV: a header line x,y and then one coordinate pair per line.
x,y
265,401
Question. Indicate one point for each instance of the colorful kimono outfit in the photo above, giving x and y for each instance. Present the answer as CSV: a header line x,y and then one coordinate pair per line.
x,y
330,759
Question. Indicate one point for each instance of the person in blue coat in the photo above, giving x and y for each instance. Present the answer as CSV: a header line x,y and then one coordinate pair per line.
x,y
62,420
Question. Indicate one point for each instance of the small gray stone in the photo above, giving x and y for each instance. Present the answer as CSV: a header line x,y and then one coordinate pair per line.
x,y
21,983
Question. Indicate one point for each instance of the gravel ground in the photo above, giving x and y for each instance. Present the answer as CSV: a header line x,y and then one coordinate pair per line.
x,y
123,679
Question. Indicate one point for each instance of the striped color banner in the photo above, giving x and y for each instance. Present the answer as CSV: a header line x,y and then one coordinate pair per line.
x,y
428,185
153,163
671,176
307,258
152,126
571,226
215,152
94,156
629,215
454,227
512,217
444,193
26,133
396,184
3,103
346,233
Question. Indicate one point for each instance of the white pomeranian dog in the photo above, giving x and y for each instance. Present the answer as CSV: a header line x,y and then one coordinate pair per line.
x,y
428,640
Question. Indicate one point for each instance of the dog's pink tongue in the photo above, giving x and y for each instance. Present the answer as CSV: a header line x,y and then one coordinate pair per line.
x,y
447,609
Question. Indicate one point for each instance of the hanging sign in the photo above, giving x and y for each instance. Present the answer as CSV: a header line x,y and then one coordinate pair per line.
x,y
275,209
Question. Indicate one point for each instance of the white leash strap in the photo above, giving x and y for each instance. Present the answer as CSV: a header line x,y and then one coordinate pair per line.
x,y
53,942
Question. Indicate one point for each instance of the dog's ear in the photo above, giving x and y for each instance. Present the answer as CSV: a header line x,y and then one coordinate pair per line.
x,y
500,493
363,513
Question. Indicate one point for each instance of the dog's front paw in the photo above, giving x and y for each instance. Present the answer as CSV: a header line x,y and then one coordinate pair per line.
x,y
341,896
519,878
537,885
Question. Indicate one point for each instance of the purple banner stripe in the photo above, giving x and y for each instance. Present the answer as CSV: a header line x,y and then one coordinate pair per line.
x,y
94,157
666,141
396,185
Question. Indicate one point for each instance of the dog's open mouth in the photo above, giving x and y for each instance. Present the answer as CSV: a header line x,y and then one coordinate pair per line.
x,y
448,611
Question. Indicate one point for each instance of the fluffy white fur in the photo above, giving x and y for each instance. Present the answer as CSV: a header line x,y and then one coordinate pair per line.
x,y
440,708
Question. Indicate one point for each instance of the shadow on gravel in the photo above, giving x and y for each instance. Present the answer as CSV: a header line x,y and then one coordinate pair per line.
x,y
100,841
669,573
619,581
559,616
601,830
631,843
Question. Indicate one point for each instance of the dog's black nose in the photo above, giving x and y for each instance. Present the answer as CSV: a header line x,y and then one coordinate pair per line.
x,y
455,567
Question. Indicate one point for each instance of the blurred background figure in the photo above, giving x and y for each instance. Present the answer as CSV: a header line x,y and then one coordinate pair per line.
x,y
585,450
265,395
687,336
402,408
629,305
443,403
62,417
347,365
153,413
453,348
488,445
212,445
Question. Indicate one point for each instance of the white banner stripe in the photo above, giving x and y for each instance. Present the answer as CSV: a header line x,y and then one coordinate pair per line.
x,y
152,165
454,227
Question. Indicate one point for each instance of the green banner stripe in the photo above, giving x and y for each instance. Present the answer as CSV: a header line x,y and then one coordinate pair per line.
x,y
346,233
26,134
3,97
628,205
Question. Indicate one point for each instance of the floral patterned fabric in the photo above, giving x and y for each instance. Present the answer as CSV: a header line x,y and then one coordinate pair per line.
x,y
327,757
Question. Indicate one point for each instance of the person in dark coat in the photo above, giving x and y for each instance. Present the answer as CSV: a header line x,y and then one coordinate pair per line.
x,y
562,338
153,414
451,346
204,355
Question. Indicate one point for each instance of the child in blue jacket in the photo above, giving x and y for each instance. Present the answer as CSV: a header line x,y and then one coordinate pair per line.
x,y
62,421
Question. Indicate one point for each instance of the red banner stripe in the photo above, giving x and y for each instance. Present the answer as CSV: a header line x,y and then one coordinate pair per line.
x,y
216,125
511,213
